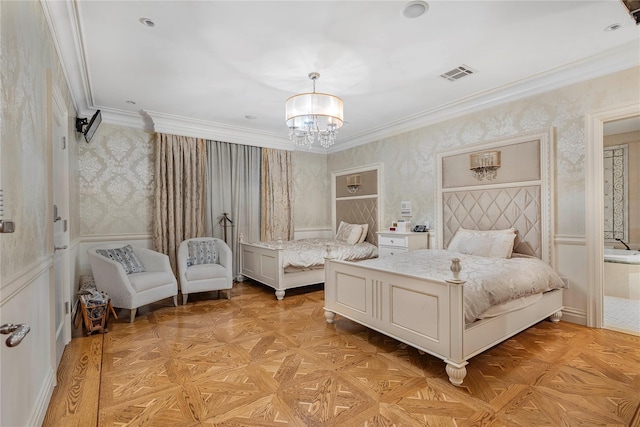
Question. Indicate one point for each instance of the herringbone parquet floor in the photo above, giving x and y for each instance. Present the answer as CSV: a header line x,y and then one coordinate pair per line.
x,y
255,361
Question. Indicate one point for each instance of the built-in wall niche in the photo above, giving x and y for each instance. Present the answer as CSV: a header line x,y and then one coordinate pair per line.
x,y
616,180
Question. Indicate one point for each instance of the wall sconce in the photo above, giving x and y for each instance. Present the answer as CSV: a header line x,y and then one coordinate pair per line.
x,y
353,183
485,165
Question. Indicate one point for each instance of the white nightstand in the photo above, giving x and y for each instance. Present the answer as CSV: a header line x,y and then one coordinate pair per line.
x,y
391,242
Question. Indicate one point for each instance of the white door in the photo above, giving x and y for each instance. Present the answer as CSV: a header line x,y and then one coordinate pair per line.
x,y
62,288
27,296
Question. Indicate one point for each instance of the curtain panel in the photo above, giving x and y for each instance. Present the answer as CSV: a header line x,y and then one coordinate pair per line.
x,y
179,195
277,195
233,187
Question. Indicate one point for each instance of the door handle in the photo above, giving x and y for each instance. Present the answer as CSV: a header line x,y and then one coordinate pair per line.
x,y
59,248
16,333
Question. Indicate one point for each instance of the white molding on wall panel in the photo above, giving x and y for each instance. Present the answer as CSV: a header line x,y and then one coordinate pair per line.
x,y
113,237
306,233
24,278
570,240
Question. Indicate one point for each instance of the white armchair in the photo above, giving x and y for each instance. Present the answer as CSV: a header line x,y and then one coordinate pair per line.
x,y
134,290
204,277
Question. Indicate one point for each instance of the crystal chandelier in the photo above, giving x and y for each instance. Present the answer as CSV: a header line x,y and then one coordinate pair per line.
x,y
314,116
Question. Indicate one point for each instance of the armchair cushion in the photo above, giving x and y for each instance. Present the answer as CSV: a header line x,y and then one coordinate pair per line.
x,y
202,252
206,271
124,256
149,280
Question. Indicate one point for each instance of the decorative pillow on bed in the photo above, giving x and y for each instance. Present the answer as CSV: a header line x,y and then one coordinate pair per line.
x,y
202,252
365,230
124,256
349,233
522,247
489,243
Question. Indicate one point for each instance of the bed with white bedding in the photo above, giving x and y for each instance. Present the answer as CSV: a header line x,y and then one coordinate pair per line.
x,y
489,282
501,234
284,265
295,263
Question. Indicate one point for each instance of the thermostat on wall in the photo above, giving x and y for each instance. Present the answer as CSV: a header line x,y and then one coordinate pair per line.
x,y
405,208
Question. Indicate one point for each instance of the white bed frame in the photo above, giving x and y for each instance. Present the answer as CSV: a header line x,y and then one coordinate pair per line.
x,y
265,265
426,314
429,314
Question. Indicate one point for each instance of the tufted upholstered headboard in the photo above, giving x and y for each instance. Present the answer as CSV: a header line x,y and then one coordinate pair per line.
x,y
361,207
519,197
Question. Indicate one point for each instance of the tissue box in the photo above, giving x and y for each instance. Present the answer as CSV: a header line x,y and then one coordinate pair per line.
x,y
403,226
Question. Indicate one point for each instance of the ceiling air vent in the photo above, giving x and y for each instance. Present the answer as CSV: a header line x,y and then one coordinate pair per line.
x,y
457,73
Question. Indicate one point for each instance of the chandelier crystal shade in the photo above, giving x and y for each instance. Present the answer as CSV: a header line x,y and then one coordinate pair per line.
x,y
314,116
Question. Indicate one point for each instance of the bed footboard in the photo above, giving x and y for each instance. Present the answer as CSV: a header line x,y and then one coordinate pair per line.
x,y
426,314
265,265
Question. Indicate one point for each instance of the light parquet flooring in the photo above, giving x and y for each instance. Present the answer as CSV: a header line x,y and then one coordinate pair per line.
x,y
256,361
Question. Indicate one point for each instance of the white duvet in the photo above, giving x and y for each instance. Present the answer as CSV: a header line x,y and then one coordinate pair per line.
x,y
310,253
489,281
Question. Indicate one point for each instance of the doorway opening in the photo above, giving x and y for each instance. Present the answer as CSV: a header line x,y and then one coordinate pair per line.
x,y
595,209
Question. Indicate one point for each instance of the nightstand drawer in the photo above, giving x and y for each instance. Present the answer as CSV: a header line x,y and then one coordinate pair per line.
x,y
390,250
399,241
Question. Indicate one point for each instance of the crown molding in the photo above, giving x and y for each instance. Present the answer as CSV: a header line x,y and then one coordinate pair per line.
x,y
62,18
65,28
177,125
609,62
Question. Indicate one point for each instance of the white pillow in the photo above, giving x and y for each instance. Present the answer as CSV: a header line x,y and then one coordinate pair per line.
x,y
489,243
349,233
365,230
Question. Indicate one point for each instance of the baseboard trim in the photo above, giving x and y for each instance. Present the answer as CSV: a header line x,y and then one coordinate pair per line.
x,y
42,402
574,315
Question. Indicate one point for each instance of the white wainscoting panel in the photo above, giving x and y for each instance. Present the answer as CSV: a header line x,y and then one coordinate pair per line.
x,y
571,262
27,370
308,233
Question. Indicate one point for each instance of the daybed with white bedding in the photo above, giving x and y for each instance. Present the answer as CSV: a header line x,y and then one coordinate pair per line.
x,y
284,265
290,264
414,298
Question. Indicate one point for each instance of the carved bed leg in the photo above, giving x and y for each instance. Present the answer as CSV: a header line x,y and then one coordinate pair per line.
x,y
329,316
456,372
555,317
280,294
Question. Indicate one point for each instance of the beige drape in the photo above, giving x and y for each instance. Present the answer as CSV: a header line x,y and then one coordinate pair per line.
x,y
179,196
277,195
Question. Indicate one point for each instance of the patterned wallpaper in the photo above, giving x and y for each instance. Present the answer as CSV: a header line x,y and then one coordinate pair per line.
x,y
116,171
312,190
409,158
116,182
27,53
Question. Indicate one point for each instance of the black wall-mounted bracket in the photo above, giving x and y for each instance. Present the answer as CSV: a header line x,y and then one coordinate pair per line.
x,y
80,124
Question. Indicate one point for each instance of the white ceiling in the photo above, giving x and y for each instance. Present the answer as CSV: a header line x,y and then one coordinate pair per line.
x,y
205,65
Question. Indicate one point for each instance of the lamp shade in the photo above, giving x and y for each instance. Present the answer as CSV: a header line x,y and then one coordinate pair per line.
x,y
320,111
